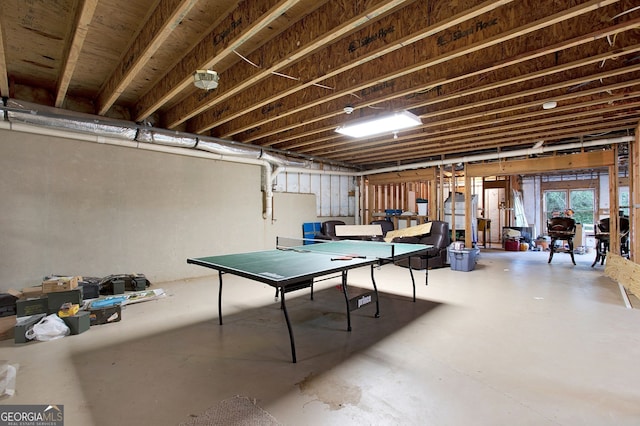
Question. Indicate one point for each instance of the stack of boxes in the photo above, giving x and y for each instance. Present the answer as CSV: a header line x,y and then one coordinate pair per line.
x,y
54,293
8,314
64,296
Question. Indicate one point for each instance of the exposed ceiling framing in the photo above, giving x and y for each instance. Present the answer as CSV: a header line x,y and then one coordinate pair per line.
x,y
476,72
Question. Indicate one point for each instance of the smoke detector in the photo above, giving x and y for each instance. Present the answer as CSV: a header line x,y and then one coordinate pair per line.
x,y
205,79
348,109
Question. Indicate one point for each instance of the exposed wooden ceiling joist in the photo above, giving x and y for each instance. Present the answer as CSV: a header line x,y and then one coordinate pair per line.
x,y
475,71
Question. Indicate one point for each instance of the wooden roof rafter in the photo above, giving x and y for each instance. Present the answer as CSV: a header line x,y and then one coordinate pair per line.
x,y
308,76
82,22
206,54
397,92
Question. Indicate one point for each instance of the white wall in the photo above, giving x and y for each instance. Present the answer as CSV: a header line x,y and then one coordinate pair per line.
x,y
74,207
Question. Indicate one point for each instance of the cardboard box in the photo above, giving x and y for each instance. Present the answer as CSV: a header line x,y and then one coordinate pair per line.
x,y
78,323
23,325
56,299
105,315
32,292
55,284
28,307
7,325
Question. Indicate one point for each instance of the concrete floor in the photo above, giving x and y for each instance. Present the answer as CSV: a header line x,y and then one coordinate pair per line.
x,y
516,341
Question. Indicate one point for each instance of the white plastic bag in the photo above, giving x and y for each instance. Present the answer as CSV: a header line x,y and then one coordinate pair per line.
x,y
50,327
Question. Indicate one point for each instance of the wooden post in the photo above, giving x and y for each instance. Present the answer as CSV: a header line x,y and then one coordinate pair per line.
x,y
614,206
634,196
468,225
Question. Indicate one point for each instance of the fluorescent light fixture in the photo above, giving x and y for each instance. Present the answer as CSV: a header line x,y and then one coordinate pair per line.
x,y
205,79
389,123
549,105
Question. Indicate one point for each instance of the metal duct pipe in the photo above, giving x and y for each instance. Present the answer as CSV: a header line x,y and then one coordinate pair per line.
x,y
17,113
39,115
166,138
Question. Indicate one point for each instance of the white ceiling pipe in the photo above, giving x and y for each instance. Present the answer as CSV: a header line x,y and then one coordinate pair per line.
x,y
319,171
268,208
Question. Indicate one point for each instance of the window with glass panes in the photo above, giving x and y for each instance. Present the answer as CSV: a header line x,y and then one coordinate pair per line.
x,y
580,201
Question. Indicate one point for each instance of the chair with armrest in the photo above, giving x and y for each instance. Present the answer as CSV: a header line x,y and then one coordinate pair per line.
x,y
603,239
436,256
561,229
624,237
328,230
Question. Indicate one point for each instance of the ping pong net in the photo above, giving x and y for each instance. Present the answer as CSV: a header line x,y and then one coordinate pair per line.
x,y
338,249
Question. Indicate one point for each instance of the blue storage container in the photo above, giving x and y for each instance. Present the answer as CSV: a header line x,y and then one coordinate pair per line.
x,y
463,259
310,230
393,212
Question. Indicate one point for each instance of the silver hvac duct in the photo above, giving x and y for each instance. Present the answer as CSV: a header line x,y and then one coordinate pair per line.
x,y
43,116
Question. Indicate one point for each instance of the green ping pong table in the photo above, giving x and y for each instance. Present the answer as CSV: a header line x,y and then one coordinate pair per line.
x,y
294,267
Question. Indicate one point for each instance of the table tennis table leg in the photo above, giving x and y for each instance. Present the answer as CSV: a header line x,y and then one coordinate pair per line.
x,y
220,297
346,298
426,272
375,288
283,306
413,281
345,291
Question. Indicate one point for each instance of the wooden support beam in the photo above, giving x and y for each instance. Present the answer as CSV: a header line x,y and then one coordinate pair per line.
x,y
433,197
167,15
4,77
441,198
247,20
347,54
614,217
362,75
505,120
576,161
426,174
82,21
330,21
440,77
634,198
563,128
468,225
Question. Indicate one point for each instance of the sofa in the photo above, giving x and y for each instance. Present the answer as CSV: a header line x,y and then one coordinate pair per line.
x,y
436,256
